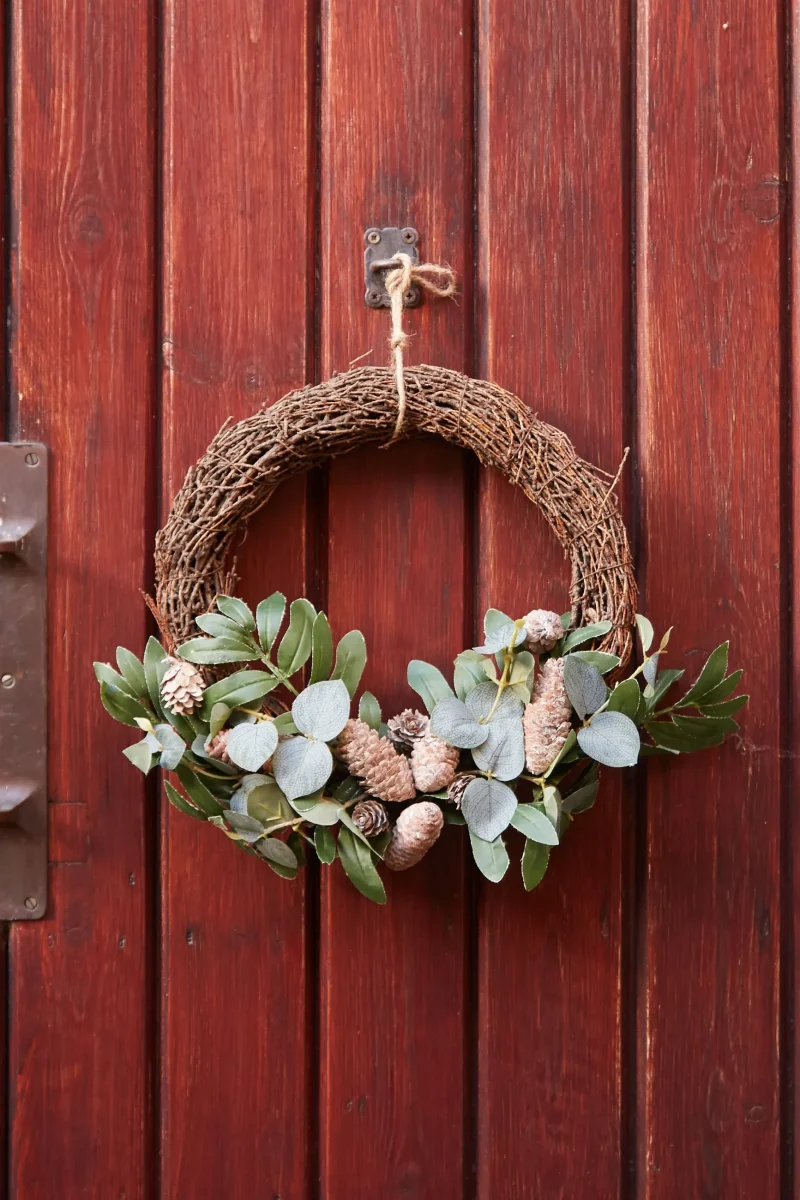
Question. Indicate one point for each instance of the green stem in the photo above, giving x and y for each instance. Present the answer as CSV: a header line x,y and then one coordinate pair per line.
x,y
278,674
508,659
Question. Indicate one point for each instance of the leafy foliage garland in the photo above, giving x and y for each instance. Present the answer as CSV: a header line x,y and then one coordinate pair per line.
x,y
277,779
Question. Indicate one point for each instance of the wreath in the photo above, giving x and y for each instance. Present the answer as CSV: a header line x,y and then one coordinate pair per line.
x,y
253,714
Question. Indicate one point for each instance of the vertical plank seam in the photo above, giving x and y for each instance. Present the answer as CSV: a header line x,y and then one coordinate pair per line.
x,y
5,431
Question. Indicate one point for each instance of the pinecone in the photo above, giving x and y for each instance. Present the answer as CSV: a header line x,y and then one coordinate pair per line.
x,y
373,759
218,746
547,718
417,828
371,817
433,763
407,728
457,788
182,687
542,629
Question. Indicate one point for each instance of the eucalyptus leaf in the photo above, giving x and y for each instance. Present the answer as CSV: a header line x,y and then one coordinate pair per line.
x,y
493,620
491,858
249,746
301,766
480,703
322,710
533,823
612,739
488,807
551,804
626,698
284,723
237,610
646,632
428,682
324,844
295,645
269,618
244,823
535,858
598,658
356,858
277,852
451,721
182,805
172,746
650,669
502,754
470,670
369,711
523,668
140,754
586,633
132,671
351,658
501,638
321,649
207,651
318,812
584,684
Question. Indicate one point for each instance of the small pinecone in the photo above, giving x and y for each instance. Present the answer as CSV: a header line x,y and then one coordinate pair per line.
x,y
457,788
218,746
371,817
542,629
373,759
182,687
407,728
546,720
417,828
433,763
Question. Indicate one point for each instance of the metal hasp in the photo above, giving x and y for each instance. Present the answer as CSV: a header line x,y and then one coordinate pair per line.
x,y
380,248
23,681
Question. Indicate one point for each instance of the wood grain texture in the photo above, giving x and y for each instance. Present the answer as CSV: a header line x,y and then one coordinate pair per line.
x,y
236,190
81,361
395,151
710,202
552,241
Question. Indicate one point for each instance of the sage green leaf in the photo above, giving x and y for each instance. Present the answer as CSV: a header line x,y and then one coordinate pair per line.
x,y
321,649
121,706
351,658
322,710
356,858
724,689
491,858
140,755
451,817
711,676
105,673
533,823
611,738
650,670
242,687
480,703
214,651
582,798
501,638
260,797
428,682
452,722
295,645
494,620
349,823
565,752
301,766
347,790
237,610
249,746
198,792
488,807
284,723
215,625
469,672
269,618
177,800
523,667
584,684
217,718
664,683
172,746
324,844
551,804
598,658
502,754
726,709
278,852
316,811
132,671
154,662
586,633
248,828
535,858
627,698
646,632
369,711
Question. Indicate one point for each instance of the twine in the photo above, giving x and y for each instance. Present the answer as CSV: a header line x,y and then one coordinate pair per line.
x,y
431,277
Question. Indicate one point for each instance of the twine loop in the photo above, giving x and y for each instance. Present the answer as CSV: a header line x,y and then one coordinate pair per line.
x,y
431,277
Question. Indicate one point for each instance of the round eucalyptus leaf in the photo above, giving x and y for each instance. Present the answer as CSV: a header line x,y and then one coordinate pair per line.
x,y
451,721
322,710
488,807
502,754
249,746
611,739
301,766
500,638
172,746
480,703
278,852
585,685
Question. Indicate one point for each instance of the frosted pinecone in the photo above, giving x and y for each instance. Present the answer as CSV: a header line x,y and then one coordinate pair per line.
x,y
407,728
547,719
542,630
371,817
182,687
457,788
374,760
417,828
433,763
217,748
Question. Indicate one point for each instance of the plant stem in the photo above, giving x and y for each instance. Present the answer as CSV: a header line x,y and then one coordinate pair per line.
x,y
508,659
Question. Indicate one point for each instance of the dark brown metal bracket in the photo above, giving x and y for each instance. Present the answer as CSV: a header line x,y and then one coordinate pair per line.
x,y
381,246
23,681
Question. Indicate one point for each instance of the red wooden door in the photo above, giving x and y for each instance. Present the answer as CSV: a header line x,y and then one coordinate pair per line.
x,y
189,185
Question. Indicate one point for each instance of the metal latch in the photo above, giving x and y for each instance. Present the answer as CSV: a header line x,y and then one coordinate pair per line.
x,y
23,680
381,246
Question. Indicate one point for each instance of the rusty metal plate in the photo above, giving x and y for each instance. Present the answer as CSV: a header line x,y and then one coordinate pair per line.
x,y
380,247
23,681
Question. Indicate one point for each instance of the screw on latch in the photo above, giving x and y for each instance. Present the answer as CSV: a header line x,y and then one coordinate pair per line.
x,y
380,255
31,903
32,459
7,681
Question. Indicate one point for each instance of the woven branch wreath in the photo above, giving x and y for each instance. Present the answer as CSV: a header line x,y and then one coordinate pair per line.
x,y
271,754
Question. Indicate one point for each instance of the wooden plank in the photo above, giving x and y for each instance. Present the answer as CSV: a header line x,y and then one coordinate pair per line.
x,y
395,139
237,187
82,371
552,240
709,200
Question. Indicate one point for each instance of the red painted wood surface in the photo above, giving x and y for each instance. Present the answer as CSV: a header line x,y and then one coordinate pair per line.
x,y
710,199
237,247
553,281
81,380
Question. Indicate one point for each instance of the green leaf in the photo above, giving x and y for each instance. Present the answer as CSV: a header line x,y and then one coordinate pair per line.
x,y
278,852
469,672
269,618
597,658
242,687
523,667
586,633
710,677
501,638
428,682
324,844
533,823
488,807
369,711
611,738
155,658
237,610
724,689
582,798
356,858
250,745
453,723
217,718
140,755
494,620
284,723
351,658
669,736
646,632
322,710
198,792
502,753
105,673
173,746
347,790
663,684
301,766
295,645
626,698
481,701
584,684
726,709
565,751
176,799
535,858
321,649
491,858
132,670
121,706
316,811
213,651
349,823
705,727
215,625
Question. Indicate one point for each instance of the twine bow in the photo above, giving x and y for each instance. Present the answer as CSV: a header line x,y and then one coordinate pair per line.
x,y
431,277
